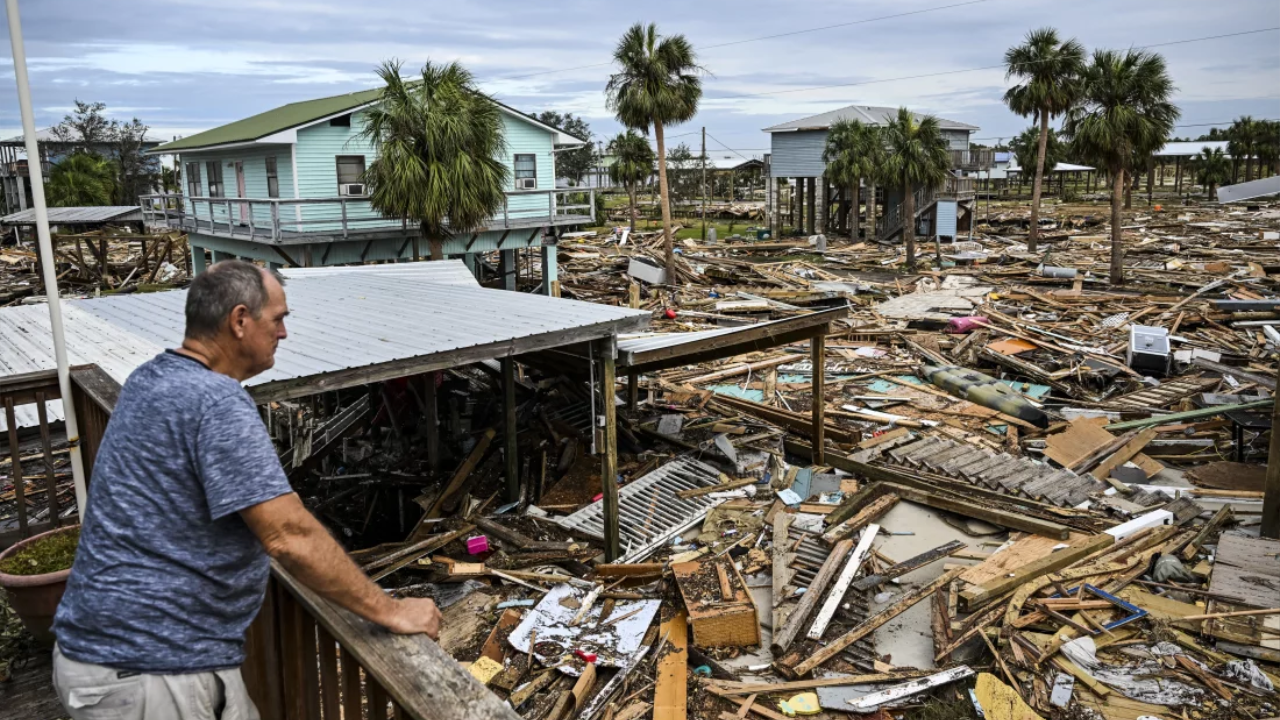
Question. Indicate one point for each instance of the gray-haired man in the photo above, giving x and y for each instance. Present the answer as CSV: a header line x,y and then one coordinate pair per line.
x,y
187,502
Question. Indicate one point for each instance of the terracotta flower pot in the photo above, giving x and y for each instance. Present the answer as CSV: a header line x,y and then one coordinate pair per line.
x,y
35,597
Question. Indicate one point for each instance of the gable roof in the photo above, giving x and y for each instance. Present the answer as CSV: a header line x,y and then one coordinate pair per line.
x,y
872,115
272,121
294,115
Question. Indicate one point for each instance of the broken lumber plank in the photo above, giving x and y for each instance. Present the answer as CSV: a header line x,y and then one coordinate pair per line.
x,y
520,540
868,514
1215,523
1004,518
421,549
731,485
738,703
739,688
909,565
670,694
460,476
783,638
1035,569
1125,453
628,569
872,623
841,586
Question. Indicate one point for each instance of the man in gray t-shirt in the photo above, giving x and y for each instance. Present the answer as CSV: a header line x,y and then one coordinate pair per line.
x,y
187,501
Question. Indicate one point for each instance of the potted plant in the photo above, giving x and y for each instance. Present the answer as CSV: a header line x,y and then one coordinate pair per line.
x,y
34,574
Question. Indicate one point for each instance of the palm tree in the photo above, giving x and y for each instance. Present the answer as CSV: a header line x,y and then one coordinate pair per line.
x,y
1050,70
854,152
657,84
81,179
1026,149
1243,138
917,158
439,141
1268,147
1125,112
1212,168
632,165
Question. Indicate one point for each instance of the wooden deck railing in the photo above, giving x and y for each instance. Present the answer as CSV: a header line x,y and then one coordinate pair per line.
x,y
309,659
306,658
24,401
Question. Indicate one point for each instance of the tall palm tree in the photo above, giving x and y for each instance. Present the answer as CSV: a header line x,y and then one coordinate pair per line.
x,y
632,165
657,84
1212,168
854,153
1243,138
439,141
1125,112
1268,148
81,179
1049,69
917,157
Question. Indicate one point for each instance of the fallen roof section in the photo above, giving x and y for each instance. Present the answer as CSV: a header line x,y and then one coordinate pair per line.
x,y
1249,190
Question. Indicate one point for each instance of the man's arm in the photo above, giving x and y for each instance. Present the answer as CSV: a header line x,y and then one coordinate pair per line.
x,y
297,540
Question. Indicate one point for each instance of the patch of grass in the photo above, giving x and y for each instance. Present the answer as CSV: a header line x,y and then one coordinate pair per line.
x,y
46,555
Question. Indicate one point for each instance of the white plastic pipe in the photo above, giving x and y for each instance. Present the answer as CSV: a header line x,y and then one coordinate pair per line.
x,y
36,174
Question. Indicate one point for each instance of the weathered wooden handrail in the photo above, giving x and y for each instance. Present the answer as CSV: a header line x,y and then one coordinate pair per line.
x,y
93,395
308,658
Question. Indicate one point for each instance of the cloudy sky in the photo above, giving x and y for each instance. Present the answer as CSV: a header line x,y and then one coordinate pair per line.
x,y
187,65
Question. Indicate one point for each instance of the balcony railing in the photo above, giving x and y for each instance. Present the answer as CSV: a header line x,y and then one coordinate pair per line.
x,y
973,159
281,220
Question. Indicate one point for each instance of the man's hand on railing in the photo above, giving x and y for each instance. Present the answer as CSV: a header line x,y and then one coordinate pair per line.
x,y
411,616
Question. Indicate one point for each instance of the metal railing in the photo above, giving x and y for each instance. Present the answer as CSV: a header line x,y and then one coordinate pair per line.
x,y
277,219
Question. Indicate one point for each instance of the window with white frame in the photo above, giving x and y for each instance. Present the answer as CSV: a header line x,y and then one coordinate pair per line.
x,y
350,173
526,166
193,179
213,170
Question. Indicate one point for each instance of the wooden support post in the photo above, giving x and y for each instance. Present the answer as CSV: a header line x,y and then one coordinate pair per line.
x,y
633,390
509,430
431,419
818,385
1271,501
609,454
797,207
811,193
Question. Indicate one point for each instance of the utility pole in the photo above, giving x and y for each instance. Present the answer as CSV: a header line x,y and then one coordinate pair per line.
x,y
1271,499
704,183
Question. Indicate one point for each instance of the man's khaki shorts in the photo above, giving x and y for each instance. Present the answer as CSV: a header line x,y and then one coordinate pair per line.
x,y
95,692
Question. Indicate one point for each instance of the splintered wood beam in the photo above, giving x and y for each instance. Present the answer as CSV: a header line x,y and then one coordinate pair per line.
x,y
670,694
783,638
841,586
874,511
872,623
909,565
460,476
609,456
1052,562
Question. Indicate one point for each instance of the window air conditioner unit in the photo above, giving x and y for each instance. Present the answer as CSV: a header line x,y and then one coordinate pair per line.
x,y
352,189
527,184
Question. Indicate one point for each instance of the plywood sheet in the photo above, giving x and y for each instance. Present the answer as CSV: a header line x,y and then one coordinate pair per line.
x,y
1085,437
1024,550
1247,570
670,695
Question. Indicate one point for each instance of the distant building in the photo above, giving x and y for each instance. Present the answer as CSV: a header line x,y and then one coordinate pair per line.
x,y
15,188
796,163
286,187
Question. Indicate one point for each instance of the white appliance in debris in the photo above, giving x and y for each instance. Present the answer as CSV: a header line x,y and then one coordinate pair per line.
x,y
1148,349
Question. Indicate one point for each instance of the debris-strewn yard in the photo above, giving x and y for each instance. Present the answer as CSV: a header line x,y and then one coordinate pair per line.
x,y
1038,496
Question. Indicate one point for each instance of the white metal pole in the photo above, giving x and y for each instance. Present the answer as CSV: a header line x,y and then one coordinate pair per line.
x,y
36,173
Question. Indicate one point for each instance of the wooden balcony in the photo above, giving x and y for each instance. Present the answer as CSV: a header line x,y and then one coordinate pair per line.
x,y
278,221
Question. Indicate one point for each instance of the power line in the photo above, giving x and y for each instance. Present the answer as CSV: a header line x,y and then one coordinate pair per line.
x,y
726,147
976,69
765,37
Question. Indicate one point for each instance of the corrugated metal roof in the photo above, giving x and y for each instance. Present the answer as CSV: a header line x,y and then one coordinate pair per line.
x,y
869,114
338,321
450,272
73,215
655,341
